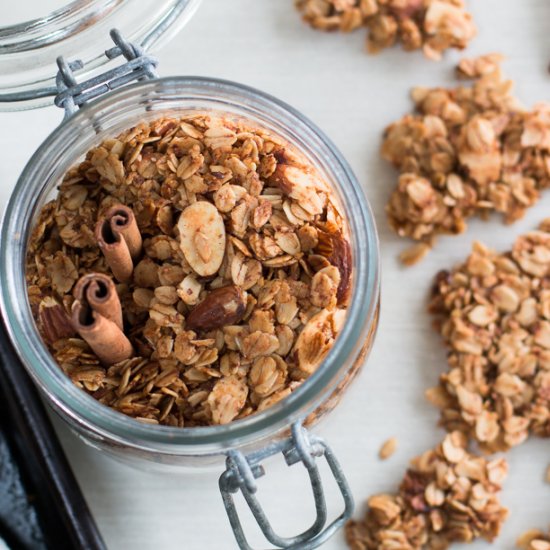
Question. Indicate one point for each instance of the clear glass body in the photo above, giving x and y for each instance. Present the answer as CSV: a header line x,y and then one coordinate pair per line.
x,y
79,30
114,432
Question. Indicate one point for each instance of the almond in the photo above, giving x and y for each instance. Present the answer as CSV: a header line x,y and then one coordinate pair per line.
x,y
54,321
286,177
317,337
299,184
202,237
337,250
223,306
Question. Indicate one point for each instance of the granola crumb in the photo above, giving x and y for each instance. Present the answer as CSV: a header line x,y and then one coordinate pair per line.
x,y
534,539
467,151
388,448
414,254
432,26
447,495
493,312
547,476
239,290
474,68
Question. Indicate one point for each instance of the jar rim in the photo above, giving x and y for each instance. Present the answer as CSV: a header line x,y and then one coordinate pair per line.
x,y
100,418
79,29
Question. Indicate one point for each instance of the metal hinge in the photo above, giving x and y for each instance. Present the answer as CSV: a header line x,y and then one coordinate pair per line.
x,y
72,95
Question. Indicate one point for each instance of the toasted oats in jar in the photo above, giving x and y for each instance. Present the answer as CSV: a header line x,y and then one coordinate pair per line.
x,y
191,271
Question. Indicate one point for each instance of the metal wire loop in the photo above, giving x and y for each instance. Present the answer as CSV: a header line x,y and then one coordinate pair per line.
x,y
244,474
71,95
241,474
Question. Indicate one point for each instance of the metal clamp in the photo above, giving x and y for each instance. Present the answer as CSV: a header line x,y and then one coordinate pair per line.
x,y
71,95
243,471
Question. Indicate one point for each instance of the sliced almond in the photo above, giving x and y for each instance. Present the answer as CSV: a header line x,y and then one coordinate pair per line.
x,y
299,184
202,237
288,178
316,339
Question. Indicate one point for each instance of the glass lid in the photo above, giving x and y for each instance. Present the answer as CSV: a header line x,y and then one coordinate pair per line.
x,y
32,37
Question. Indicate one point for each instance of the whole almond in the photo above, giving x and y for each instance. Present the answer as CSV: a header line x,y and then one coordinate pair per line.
x,y
223,306
54,321
337,250
202,237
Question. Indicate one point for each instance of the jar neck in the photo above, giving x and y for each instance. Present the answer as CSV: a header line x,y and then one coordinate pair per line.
x,y
109,116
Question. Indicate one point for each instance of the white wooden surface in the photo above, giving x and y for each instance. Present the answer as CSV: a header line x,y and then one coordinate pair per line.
x,y
352,96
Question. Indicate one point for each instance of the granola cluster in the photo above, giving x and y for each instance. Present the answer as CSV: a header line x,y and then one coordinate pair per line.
x,y
493,313
431,25
447,495
242,284
468,151
534,540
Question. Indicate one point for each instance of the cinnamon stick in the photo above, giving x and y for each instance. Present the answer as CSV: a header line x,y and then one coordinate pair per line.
x,y
97,317
99,292
119,239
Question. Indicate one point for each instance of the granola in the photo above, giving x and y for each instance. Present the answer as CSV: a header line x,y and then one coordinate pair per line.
x,y
238,290
447,495
534,540
431,25
468,151
388,448
493,312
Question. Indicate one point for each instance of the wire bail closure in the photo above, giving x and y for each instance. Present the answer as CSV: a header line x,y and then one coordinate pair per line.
x,y
71,95
243,471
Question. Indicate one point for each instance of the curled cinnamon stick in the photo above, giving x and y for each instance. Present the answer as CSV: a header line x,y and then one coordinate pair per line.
x,y
97,317
119,239
99,292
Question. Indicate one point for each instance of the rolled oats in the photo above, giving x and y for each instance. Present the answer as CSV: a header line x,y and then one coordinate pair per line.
x,y
447,495
468,151
431,25
492,312
243,280
388,448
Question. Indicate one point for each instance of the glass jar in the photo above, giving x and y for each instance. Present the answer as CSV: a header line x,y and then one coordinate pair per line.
x,y
242,444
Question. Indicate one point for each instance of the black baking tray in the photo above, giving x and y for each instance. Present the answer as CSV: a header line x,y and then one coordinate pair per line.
x,y
41,505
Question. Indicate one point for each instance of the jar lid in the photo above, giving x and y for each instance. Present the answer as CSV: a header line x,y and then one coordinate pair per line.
x,y
76,30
